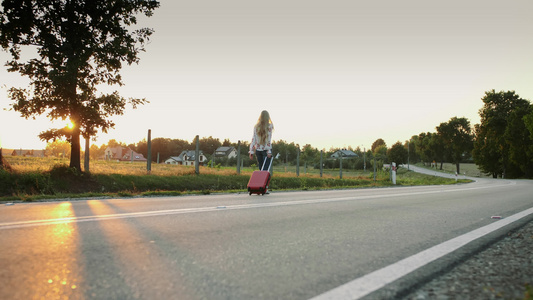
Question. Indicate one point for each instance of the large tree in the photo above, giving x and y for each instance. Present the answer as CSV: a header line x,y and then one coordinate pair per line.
x,y
457,137
430,148
80,45
378,143
309,154
397,153
492,145
422,146
520,143
58,149
528,120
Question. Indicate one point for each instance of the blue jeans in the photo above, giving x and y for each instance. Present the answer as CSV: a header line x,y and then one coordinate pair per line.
x,y
261,157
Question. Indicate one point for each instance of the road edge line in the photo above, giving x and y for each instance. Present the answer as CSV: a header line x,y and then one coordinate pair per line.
x,y
376,280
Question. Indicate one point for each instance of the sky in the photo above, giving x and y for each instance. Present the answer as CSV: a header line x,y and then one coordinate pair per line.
x,y
332,74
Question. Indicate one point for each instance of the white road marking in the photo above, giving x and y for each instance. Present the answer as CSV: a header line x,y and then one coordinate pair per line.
x,y
378,279
399,192
355,289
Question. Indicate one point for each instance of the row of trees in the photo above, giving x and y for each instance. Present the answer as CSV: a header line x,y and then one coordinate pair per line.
x,y
452,142
501,145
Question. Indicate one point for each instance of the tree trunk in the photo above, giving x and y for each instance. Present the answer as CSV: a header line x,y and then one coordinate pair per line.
x,y
75,155
457,166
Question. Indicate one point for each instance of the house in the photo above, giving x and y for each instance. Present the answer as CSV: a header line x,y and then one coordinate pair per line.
x,y
174,160
344,154
186,158
24,152
225,152
120,153
6,152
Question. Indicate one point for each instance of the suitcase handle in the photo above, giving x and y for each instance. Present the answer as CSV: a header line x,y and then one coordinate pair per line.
x,y
269,165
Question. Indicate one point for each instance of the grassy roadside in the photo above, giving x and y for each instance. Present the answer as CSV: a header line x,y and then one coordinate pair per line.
x,y
41,179
466,169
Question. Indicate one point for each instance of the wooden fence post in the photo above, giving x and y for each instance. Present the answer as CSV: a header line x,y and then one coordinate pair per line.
x,y
239,157
375,167
197,156
86,157
321,164
149,158
298,162
340,166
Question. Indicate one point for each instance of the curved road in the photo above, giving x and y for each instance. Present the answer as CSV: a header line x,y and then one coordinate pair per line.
x,y
286,245
437,173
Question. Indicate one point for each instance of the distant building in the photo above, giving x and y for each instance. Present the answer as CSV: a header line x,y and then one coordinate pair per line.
x,y
344,154
24,152
225,152
186,158
120,153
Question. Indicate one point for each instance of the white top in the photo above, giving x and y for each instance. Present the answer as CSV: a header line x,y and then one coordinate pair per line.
x,y
255,142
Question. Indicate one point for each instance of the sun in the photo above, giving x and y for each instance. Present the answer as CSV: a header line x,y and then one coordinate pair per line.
x,y
70,125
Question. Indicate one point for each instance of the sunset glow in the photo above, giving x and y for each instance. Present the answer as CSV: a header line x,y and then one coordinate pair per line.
x,y
331,74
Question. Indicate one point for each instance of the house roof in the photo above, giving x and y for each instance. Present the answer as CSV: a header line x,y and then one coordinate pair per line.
x,y
23,152
124,153
224,151
7,152
176,158
191,154
345,153
114,152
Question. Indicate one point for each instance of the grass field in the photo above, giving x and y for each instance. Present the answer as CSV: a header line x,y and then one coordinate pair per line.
x,y
48,178
38,164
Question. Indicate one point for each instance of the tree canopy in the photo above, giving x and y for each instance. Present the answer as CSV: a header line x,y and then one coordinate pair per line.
x,y
500,134
377,144
456,134
80,45
397,153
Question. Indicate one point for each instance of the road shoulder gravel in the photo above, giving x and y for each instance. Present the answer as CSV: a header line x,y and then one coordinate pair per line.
x,y
502,271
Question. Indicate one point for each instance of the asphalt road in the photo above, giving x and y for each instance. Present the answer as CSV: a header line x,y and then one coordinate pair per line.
x,y
286,245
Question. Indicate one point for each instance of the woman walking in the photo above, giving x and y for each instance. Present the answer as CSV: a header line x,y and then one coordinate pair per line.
x,y
262,140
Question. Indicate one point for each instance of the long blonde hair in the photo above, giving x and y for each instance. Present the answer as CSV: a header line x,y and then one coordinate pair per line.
x,y
262,125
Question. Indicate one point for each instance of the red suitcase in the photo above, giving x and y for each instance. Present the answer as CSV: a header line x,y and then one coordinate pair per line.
x,y
260,180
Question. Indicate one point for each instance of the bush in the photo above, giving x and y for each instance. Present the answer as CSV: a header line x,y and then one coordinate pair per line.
x,y
25,183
